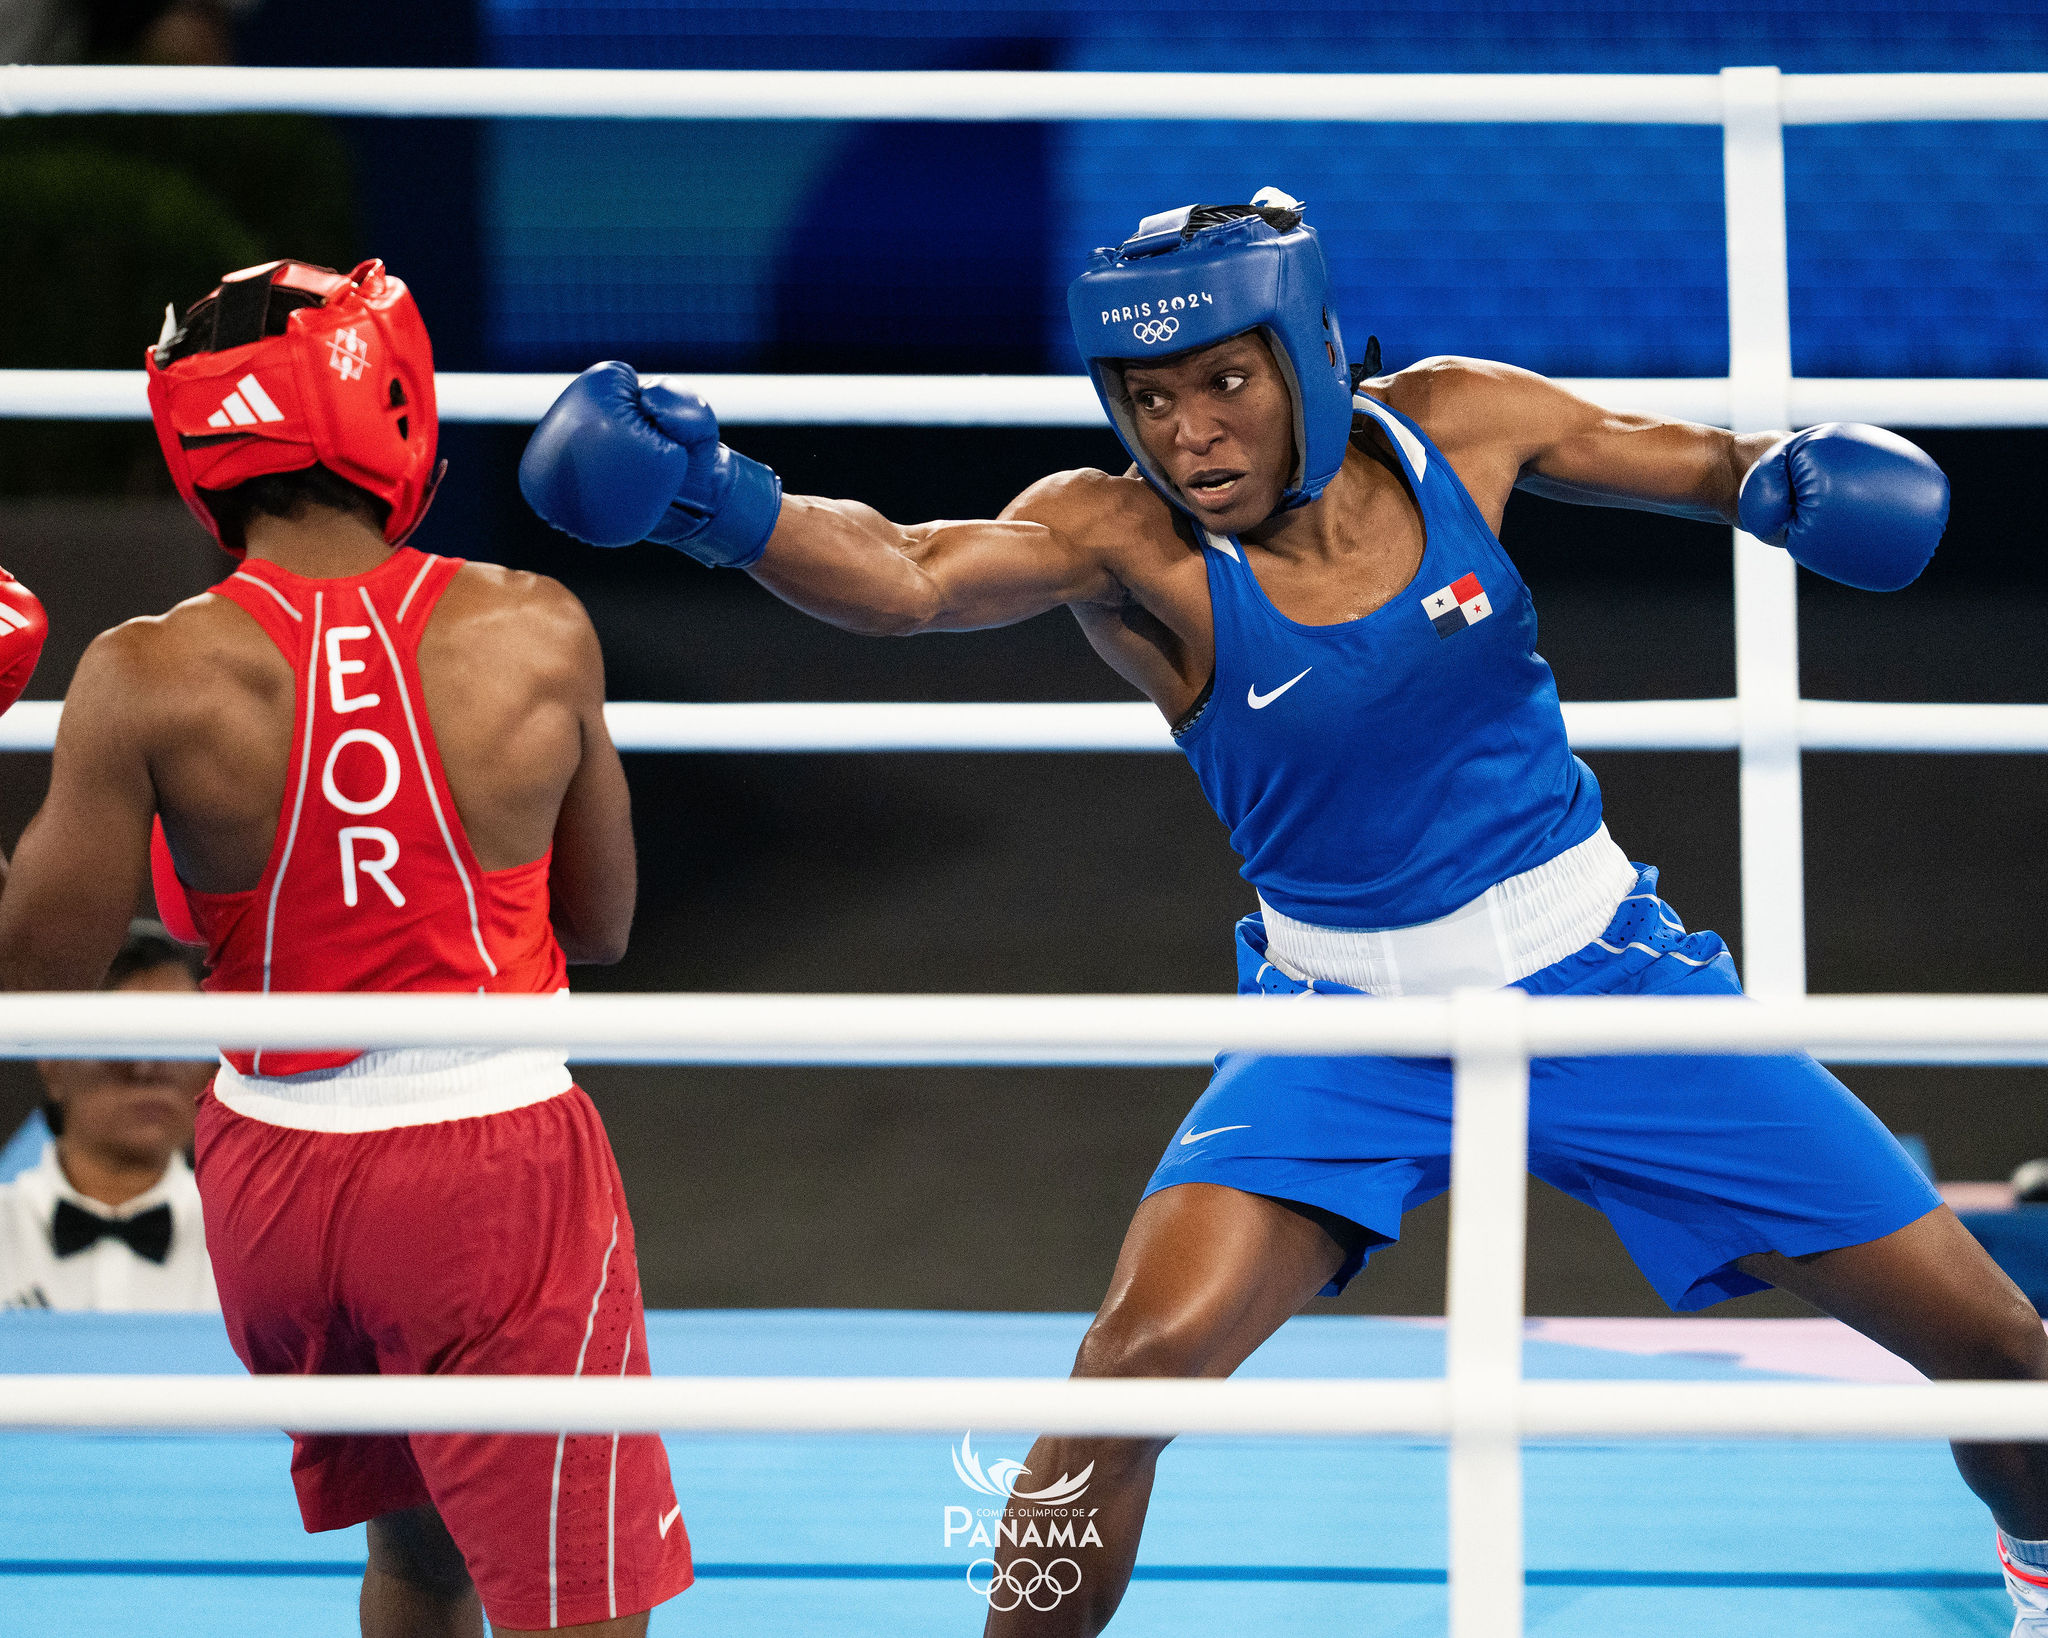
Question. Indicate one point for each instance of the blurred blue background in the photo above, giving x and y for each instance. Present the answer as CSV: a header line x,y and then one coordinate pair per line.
x,y
1577,250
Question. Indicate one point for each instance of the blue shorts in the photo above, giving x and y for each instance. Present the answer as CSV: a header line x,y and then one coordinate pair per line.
x,y
1696,1161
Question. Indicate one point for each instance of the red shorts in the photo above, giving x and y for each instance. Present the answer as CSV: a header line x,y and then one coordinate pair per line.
x,y
496,1245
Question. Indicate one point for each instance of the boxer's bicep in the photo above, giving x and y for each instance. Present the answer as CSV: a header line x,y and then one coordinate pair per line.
x,y
78,871
845,563
1640,461
996,573
1580,451
1506,428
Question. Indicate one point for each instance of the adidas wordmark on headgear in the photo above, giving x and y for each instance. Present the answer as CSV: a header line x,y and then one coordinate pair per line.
x,y
287,365
1199,275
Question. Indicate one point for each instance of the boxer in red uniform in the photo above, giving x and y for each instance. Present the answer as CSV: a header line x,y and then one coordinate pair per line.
x,y
372,769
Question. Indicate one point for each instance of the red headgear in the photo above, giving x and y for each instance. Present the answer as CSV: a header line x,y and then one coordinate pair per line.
x,y
348,383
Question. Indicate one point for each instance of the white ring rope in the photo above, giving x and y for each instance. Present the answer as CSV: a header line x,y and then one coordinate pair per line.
x,y
1477,1413
1063,400
1296,1407
757,400
735,1028
1121,726
531,93
1092,1029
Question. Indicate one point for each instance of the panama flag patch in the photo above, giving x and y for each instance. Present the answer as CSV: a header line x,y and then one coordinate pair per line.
x,y
1460,604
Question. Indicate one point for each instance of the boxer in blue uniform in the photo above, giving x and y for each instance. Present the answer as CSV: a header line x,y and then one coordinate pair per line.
x,y
1304,573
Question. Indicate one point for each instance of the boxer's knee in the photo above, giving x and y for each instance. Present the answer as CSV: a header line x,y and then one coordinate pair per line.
x,y
1153,1345
2004,1342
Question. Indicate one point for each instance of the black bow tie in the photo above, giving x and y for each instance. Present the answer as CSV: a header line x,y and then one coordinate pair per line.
x,y
148,1233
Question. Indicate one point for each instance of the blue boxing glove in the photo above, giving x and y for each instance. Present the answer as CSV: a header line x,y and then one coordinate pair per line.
x,y
613,462
1855,503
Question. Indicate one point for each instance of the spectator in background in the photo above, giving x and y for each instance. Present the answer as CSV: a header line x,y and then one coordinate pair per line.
x,y
104,218
109,1217
191,33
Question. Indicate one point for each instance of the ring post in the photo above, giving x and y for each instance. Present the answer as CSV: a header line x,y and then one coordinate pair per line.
x,y
1766,581
1483,1356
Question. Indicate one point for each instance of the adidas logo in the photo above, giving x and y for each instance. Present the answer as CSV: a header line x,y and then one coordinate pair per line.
x,y
245,406
12,619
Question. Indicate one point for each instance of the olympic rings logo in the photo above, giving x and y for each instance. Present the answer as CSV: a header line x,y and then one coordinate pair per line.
x,y
1154,331
1041,1589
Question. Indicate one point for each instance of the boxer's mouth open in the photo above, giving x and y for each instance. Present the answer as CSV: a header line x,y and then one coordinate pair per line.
x,y
1213,484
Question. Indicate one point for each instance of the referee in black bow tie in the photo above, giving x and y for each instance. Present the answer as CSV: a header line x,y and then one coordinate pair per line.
x,y
109,1217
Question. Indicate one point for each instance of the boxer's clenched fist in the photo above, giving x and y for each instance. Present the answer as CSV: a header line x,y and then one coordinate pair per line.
x,y
613,462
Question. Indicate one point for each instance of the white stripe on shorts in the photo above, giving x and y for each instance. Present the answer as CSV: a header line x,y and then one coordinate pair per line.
x,y
562,1438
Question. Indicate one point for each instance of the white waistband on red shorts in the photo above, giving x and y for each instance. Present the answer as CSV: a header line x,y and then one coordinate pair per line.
x,y
412,1086
1513,929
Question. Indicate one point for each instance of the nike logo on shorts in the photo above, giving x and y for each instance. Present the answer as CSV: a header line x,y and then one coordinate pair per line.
x,y
669,1518
1196,1137
1259,702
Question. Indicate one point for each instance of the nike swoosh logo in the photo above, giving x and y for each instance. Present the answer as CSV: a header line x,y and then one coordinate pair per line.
x,y
1196,1137
1259,702
669,1518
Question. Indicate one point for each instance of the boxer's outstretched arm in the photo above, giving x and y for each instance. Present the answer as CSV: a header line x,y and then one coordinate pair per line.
x,y
847,564
79,868
613,462
1521,430
1855,503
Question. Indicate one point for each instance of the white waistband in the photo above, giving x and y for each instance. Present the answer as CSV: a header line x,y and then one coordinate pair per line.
x,y
1513,929
413,1086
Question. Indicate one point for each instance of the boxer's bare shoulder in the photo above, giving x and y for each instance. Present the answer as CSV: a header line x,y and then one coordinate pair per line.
x,y
201,668
1118,519
1446,391
522,623
1152,623
514,684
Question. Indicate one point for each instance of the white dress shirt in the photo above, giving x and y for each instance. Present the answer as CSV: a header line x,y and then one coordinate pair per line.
x,y
107,1275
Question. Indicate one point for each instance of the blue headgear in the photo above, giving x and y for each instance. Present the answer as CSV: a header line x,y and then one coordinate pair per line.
x,y
1187,279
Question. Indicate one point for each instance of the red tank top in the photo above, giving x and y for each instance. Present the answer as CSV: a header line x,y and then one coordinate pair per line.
x,y
371,883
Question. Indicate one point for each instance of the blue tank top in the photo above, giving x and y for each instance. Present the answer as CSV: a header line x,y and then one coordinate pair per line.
x,y
1386,770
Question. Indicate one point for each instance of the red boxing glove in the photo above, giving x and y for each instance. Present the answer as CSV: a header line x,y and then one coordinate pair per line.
x,y
23,626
